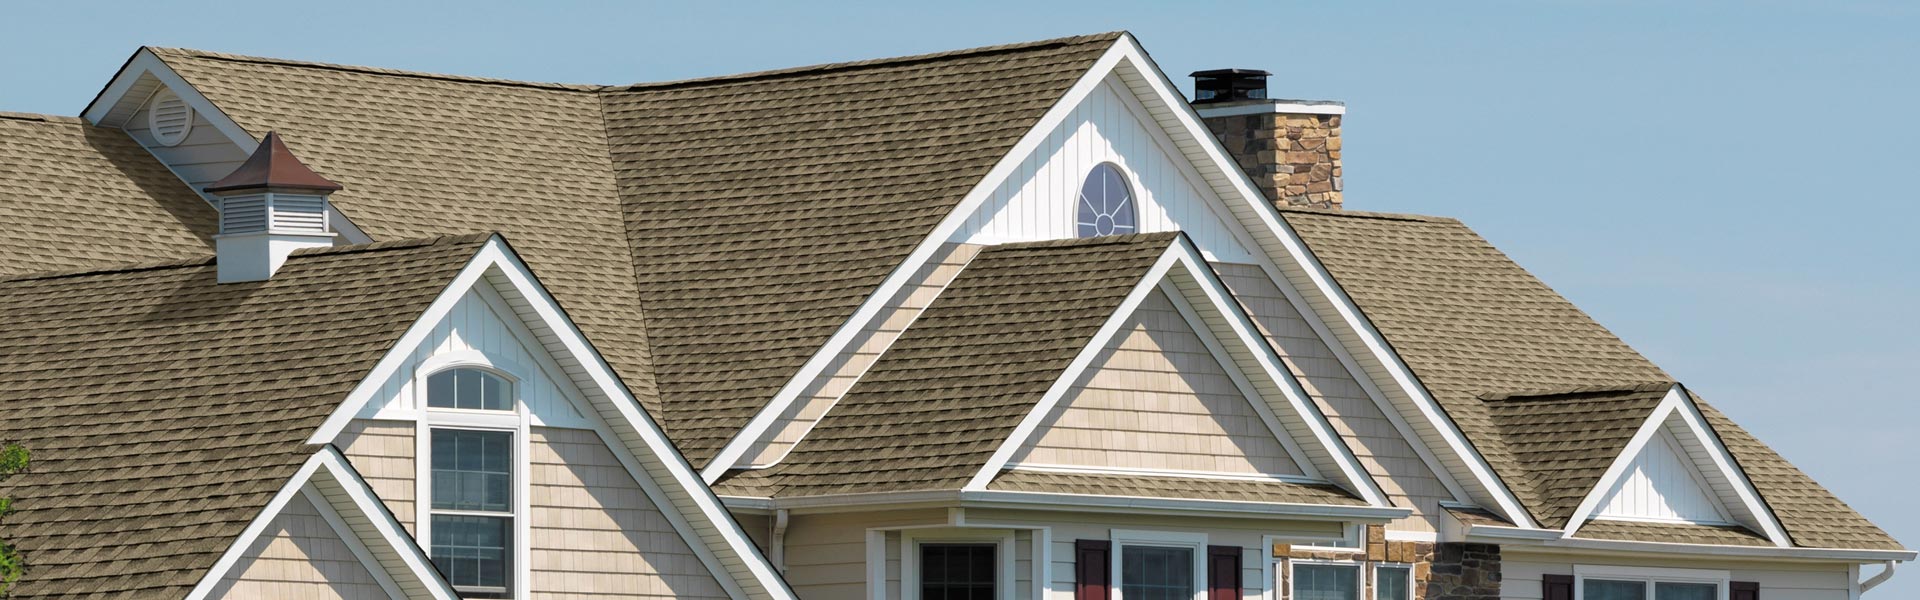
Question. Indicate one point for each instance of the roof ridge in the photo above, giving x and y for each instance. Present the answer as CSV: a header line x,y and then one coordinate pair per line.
x,y
870,63
285,62
1648,386
208,259
44,118
1362,214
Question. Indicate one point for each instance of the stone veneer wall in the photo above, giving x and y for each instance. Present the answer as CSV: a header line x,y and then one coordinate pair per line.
x,y
1293,158
1451,571
1464,572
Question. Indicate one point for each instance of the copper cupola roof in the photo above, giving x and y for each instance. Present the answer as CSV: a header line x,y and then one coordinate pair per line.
x,y
272,166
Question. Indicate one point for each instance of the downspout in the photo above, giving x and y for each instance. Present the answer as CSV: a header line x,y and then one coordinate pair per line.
x,y
779,545
1878,578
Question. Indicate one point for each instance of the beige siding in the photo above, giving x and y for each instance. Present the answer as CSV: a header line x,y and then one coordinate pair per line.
x,y
595,533
1520,574
1388,456
203,158
892,320
299,557
827,553
1157,399
382,451
759,528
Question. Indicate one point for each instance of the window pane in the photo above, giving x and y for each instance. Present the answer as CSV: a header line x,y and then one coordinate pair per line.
x,y
472,470
1105,204
473,553
1326,582
1601,589
1685,591
472,389
1156,573
1392,583
956,571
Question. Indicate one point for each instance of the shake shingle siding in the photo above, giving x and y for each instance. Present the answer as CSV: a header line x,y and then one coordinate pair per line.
x,y
163,410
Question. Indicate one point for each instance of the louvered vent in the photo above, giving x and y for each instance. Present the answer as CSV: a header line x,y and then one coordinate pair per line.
x,y
299,213
243,214
169,118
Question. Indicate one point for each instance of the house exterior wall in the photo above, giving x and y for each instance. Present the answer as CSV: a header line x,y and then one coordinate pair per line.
x,y
1662,483
1157,399
1388,456
1038,200
595,533
203,158
1521,573
299,557
873,340
383,453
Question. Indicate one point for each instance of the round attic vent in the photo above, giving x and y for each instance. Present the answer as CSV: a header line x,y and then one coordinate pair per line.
x,y
169,118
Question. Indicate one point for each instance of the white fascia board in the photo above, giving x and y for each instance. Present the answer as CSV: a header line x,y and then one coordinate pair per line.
x,y
1547,540
1038,415
335,466
1242,330
1251,199
1677,402
815,367
1139,505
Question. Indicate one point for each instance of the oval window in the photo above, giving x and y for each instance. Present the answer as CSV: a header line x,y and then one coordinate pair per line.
x,y
471,389
1106,203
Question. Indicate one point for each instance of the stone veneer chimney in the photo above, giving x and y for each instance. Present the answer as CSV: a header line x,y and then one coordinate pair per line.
x,y
1291,148
270,206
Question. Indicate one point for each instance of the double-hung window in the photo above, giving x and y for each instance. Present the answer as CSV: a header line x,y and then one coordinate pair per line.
x,y
958,571
1326,581
1392,582
1156,565
472,485
1628,583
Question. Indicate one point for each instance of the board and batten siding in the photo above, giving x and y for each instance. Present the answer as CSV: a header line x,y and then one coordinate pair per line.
x,y
1156,398
1662,483
1387,456
594,532
1521,574
383,453
203,158
299,557
476,325
1038,199
874,339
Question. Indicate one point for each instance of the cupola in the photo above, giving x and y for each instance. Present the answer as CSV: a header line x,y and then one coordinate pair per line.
x,y
269,207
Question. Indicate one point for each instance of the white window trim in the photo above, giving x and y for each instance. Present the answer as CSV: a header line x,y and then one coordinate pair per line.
x,y
1375,577
1359,573
1121,538
1354,532
1004,550
1650,576
515,422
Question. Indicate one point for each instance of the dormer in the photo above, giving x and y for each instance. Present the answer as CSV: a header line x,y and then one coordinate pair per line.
x,y
269,207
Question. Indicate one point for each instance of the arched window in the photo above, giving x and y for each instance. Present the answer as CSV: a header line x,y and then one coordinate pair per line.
x,y
1106,203
469,388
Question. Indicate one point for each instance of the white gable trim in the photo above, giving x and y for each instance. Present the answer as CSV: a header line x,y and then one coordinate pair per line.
x,y
1665,444
327,471
815,367
1185,275
1677,403
643,448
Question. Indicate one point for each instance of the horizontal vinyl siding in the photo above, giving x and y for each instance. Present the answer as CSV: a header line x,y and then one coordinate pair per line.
x,y
1520,574
827,553
1387,456
594,532
203,158
299,557
382,452
1157,399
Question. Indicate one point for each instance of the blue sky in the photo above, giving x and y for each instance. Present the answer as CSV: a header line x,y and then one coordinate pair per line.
x,y
1724,184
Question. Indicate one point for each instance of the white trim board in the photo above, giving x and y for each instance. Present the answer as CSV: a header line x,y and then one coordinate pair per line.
x,y
670,482
1746,504
1184,276
406,565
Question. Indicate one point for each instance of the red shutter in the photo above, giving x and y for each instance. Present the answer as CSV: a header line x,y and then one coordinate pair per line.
x,y
1090,564
1744,590
1558,587
1223,573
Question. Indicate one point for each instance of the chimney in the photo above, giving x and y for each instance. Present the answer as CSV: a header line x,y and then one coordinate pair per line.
x,y
269,207
1290,148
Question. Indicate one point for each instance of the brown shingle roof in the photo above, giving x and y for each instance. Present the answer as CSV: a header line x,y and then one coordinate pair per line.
x,y
1467,321
954,386
1563,442
428,155
763,208
1672,533
75,196
1173,487
163,410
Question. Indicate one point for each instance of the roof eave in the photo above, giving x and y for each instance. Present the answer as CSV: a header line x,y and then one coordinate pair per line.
x,y
1551,541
